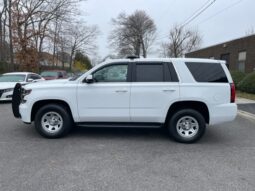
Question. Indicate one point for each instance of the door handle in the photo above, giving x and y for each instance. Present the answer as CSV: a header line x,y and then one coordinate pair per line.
x,y
169,90
121,91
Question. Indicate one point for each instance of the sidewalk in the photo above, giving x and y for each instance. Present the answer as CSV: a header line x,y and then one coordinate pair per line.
x,y
244,101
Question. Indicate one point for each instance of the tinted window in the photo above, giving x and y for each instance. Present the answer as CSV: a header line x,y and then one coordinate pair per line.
x,y
207,72
49,74
174,77
149,72
60,75
113,73
34,77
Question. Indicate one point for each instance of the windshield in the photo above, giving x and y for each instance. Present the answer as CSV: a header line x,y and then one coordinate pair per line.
x,y
12,78
49,74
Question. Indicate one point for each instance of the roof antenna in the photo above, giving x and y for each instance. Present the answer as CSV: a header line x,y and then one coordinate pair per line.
x,y
132,57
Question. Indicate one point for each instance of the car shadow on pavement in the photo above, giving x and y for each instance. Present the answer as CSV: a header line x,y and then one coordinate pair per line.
x,y
212,136
119,132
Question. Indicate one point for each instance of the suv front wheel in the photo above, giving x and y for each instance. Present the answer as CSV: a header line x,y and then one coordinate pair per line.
x,y
53,121
186,126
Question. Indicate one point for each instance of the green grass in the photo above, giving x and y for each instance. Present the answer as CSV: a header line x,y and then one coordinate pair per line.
x,y
245,95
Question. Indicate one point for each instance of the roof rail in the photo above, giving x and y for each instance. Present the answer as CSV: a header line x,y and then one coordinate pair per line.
x,y
132,57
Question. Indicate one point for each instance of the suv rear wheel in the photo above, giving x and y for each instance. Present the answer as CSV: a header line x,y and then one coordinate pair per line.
x,y
53,121
186,126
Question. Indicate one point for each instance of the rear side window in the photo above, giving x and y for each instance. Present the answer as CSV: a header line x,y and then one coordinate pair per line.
x,y
207,72
149,72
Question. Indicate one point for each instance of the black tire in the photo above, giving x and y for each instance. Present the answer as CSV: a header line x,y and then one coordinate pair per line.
x,y
67,121
16,99
182,137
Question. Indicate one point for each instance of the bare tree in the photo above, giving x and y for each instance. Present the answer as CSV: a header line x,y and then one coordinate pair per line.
x,y
81,38
6,50
250,31
180,42
3,11
133,34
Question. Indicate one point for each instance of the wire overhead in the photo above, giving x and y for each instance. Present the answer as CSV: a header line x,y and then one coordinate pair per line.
x,y
198,12
221,11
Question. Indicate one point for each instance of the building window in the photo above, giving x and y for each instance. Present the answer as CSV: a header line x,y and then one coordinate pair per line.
x,y
241,61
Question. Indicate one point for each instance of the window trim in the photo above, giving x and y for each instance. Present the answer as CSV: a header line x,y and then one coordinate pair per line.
x,y
173,73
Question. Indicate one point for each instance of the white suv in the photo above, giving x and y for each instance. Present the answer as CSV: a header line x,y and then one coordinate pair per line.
x,y
182,95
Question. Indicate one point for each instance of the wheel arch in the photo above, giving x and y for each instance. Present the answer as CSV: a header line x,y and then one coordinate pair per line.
x,y
196,105
37,105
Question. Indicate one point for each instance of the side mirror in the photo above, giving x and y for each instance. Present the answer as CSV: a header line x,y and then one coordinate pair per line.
x,y
30,80
89,79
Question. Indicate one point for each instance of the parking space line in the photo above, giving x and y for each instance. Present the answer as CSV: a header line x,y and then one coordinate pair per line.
x,y
247,115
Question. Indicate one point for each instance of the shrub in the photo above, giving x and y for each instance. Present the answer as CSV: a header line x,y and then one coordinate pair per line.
x,y
237,76
248,83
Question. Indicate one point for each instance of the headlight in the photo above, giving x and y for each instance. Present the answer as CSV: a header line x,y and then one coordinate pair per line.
x,y
25,93
8,90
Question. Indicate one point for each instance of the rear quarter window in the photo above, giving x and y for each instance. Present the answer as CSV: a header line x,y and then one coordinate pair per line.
x,y
207,72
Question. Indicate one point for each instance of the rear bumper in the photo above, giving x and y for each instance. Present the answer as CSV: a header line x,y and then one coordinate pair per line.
x,y
223,113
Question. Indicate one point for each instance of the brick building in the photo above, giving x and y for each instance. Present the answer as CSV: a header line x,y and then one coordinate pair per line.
x,y
239,53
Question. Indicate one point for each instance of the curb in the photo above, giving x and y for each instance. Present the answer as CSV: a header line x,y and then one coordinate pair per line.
x,y
246,115
240,100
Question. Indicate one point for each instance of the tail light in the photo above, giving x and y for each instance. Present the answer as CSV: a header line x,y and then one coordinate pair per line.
x,y
233,93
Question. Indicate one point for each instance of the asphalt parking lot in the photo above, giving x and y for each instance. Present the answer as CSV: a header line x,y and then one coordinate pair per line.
x,y
247,107
125,159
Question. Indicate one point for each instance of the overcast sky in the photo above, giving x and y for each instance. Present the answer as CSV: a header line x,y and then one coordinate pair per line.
x,y
221,22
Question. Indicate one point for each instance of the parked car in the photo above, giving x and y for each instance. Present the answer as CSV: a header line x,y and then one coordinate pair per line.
x,y
54,74
8,81
182,95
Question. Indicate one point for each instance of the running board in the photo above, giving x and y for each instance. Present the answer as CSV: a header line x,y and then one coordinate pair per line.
x,y
118,125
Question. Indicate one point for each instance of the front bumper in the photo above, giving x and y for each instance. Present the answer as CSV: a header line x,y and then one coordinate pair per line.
x,y
25,113
7,96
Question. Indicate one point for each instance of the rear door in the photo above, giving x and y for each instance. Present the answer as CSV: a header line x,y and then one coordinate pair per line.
x,y
155,86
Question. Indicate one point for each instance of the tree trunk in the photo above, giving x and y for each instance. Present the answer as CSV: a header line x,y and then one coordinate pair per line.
x,y
138,49
55,42
11,65
144,50
1,39
71,59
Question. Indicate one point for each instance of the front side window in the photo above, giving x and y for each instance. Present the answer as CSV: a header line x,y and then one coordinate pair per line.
x,y
149,72
33,77
113,73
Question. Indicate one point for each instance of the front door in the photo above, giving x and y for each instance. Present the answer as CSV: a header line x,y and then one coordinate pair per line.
x,y
107,98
